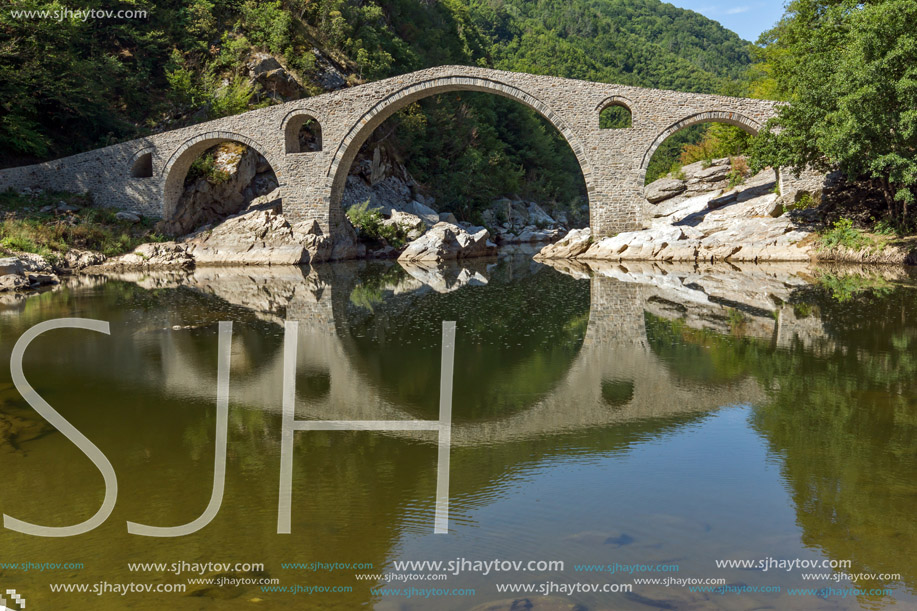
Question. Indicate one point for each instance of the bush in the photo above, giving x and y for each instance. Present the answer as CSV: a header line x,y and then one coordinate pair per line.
x,y
843,233
369,225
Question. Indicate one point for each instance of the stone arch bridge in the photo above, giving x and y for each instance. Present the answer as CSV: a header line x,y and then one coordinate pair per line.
x,y
146,175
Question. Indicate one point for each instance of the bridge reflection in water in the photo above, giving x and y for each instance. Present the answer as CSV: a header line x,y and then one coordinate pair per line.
x,y
599,374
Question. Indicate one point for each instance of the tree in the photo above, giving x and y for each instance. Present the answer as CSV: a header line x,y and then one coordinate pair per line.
x,y
849,70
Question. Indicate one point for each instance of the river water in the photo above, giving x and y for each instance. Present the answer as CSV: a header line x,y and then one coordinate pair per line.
x,y
662,419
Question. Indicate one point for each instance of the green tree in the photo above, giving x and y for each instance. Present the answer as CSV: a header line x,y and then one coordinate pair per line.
x,y
849,70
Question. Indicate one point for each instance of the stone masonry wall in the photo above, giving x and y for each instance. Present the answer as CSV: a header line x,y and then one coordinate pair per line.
x,y
613,161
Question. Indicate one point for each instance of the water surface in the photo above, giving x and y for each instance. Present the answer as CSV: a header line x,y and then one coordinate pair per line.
x,y
610,414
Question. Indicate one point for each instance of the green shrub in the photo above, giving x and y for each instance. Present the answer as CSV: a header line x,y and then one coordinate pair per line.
x,y
368,223
843,233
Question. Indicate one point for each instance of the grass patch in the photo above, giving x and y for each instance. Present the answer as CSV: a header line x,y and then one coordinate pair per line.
x,y
25,228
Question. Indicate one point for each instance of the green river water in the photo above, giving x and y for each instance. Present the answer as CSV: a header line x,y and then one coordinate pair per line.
x,y
667,417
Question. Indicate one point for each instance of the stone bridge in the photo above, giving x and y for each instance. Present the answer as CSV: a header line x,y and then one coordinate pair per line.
x,y
147,175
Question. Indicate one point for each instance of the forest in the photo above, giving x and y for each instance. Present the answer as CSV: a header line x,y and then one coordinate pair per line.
x,y
849,68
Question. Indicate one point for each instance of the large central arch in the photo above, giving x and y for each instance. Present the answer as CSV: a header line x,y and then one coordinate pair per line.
x,y
349,146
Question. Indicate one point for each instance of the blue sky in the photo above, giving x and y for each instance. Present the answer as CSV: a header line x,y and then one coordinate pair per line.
x,y
747,18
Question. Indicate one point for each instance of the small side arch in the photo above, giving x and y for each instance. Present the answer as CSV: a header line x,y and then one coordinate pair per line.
x,y
292,126
716,116
142,163
612,102
176,168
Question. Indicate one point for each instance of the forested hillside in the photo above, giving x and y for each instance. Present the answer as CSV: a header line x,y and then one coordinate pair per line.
x,y
70,85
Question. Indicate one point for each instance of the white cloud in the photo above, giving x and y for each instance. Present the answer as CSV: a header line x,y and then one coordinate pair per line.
x,y
738,9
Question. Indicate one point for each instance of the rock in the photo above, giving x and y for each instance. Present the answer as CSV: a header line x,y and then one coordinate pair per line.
x,y
714,173
13,282
663,189
154,255
80,259
129,217
411,224
538,216
719,202
774,208
448,217
10,265
36,280
32,262
575,243
203,202
65,208
345,247
273,77
47,209
429,215
678,209
262,63
386,252
259,237
445,241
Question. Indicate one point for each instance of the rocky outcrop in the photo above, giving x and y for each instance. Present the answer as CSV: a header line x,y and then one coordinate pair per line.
x,y
155,255
695,178
25,272
445,242
262,236
276,82
663,189
520,222
571,246
746,223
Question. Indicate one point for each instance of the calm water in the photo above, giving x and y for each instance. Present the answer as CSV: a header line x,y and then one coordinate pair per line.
x,y
631,415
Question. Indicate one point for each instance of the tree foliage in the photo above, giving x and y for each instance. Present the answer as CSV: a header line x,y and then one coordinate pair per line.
x,y
849,70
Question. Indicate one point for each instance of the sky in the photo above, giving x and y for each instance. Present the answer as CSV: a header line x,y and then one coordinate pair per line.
x,y
747,18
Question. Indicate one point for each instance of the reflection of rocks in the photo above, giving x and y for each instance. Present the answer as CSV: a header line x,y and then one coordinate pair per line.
x,y
279,292
15,430
752,301
446,242
541,603
443,278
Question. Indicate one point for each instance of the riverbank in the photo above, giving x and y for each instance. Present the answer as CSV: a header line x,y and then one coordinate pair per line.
x,y
712,212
